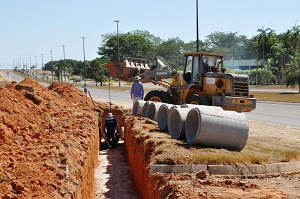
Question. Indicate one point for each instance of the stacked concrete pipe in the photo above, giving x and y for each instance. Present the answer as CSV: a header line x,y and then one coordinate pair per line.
x,y
152,110
201,107
177,119
176,122
144,111
217,128
162,115
137,109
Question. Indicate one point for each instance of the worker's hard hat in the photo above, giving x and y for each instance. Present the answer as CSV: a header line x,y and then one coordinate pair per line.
x,y
137,78
109,116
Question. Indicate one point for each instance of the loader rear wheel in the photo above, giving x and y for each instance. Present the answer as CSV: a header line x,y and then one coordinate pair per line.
x,y
158,96
199,99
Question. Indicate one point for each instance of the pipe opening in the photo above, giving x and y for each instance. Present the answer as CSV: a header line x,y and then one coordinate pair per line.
x,y
151,111
162,117
145,107
174,123
192,125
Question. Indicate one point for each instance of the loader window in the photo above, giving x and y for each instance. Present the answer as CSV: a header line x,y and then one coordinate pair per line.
x,y
196,68
187,76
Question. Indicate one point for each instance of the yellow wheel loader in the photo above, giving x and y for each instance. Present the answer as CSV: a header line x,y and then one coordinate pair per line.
x,y
204,81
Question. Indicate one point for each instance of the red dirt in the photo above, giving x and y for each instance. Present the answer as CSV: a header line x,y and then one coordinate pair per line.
x,y
49,141
44,130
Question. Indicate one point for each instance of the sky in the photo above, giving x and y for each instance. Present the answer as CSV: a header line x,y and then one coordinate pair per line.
x,y
31,29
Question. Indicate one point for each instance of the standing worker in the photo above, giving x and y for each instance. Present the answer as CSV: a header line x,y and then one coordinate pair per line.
x,y
137,90
111,130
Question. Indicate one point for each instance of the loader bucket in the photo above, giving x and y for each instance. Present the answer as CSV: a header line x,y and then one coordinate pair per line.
x,y
128,68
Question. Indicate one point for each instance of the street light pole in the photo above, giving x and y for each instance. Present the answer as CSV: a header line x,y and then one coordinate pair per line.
x,y
26,67
64,62
29,66
117,21
43,67
35,67
197,26
52,66
84,60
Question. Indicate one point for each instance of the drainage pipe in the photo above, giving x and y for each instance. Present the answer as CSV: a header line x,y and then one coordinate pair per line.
x,y
176,122
201,106
162,115
138,108
215,128
176,119
152,110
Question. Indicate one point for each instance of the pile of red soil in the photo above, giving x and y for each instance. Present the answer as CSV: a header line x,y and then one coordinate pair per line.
x,y
48,141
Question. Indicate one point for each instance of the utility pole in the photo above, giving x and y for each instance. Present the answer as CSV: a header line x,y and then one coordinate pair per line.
x,y
26,67
35,67
42,66
29,66
64,62
117,21
52,66
197,26
84,60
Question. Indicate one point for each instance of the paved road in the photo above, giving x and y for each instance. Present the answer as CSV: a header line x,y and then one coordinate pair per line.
x,y
287,114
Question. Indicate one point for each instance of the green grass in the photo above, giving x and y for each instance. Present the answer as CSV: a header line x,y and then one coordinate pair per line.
x,y
276,96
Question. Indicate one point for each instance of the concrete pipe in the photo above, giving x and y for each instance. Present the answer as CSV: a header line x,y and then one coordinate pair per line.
x,y
144,111
176,122
201,106
152,110
162,115
217,128
137,109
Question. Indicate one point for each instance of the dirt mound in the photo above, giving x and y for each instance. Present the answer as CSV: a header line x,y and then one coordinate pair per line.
x,y
45,135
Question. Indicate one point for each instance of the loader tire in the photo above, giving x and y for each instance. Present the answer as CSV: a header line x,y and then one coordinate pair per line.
x,y
158,96
199,99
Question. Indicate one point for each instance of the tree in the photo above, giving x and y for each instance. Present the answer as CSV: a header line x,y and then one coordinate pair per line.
x,y
229,44
264,41
192,46
97,70
137,44
293,77
171,51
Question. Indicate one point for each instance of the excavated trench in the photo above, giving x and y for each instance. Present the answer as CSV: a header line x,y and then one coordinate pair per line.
x,y
50,149
130,151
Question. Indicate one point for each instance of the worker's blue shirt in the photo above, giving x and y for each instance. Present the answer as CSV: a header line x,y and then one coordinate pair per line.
x,y
111,125
137,89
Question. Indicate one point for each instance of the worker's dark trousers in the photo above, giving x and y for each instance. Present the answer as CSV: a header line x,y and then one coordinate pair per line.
x,y
112,138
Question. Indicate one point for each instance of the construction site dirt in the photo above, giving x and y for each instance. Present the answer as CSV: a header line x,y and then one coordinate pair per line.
x,y
50,149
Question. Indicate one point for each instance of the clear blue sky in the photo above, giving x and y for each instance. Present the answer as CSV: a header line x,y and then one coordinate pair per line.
x,y
30,28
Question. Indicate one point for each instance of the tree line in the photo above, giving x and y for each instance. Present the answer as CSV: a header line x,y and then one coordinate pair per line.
x,y
277,55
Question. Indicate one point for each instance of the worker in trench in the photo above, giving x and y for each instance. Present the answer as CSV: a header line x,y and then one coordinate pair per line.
x,y
111,130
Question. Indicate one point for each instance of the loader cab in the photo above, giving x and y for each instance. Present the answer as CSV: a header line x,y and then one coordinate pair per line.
x,y
199,63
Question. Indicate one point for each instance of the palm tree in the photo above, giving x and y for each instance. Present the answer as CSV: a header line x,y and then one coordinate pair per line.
x,y
293,77
264,41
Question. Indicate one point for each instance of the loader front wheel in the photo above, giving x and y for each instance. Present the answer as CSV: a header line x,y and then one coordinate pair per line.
x,y
199,99
158,96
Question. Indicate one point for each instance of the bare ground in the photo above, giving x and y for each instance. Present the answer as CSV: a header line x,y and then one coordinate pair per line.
x,y
189,186
114,175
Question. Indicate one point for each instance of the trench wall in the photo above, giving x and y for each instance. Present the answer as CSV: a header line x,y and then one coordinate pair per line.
x,y
87,188
138,154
